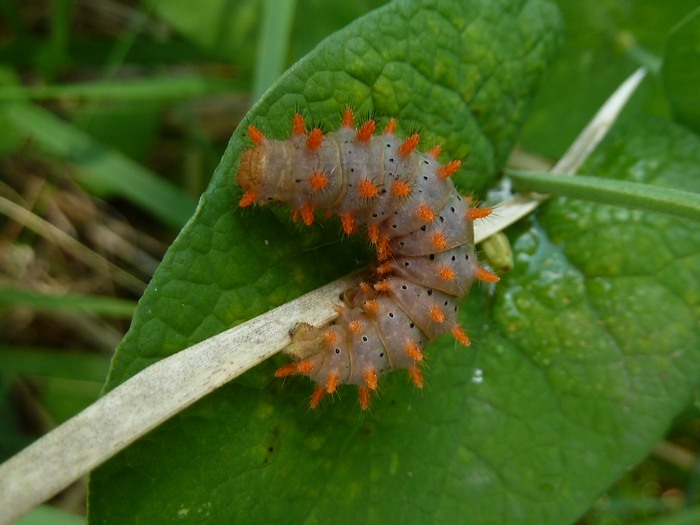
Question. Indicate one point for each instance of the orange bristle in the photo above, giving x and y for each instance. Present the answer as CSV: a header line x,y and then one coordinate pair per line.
x,y
364,395
485,275
368,189
478,213
371,307
448,169
409,145
446,273
256,135
247,199
373,232
461,335
298,126
330,336
307,213
366,131
348,119
385,268
390,127
355,327
400,188
413,351
348,222
371,378
382,286
425,213
318,394
440,241
300,368
315,139
318,180
416,375
332,383
437,314
435,152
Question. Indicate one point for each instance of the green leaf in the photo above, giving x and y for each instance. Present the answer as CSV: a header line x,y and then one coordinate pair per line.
x,y
605,42
681,70
463,72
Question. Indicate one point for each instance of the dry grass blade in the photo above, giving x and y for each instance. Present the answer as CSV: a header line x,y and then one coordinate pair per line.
x,y
522,204
68,243
169,386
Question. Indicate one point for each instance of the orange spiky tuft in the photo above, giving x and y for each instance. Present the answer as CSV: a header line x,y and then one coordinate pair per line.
x,y
292,369
339,309
390,127
409,145
307,213
348,119
446,273
382,286
368,189
448,169
413,351
247,199
315,139
296,214
373,232
486,275
330,336
256,135
332,382
364,287
385,268
298,126
318,180
416,375
371,307
366,131
364,395
348,222
371,378
425,213
435,151
355,327
478,213
437,314
461,335
400,188
318,394
383,251
440,241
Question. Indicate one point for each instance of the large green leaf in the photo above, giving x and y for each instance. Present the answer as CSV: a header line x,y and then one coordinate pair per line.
x,y
463,72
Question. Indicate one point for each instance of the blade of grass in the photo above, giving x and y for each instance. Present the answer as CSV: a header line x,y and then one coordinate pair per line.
x,y
107,306
103,171
521,205
154,88
276,26
635,195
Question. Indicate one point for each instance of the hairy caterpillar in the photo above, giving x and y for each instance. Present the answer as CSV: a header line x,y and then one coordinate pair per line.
x,y
421,228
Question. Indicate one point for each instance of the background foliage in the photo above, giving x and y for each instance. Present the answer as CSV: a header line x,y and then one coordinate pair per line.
x,y
114,117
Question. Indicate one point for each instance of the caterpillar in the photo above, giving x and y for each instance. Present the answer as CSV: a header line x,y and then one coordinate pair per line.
x,y
419,225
